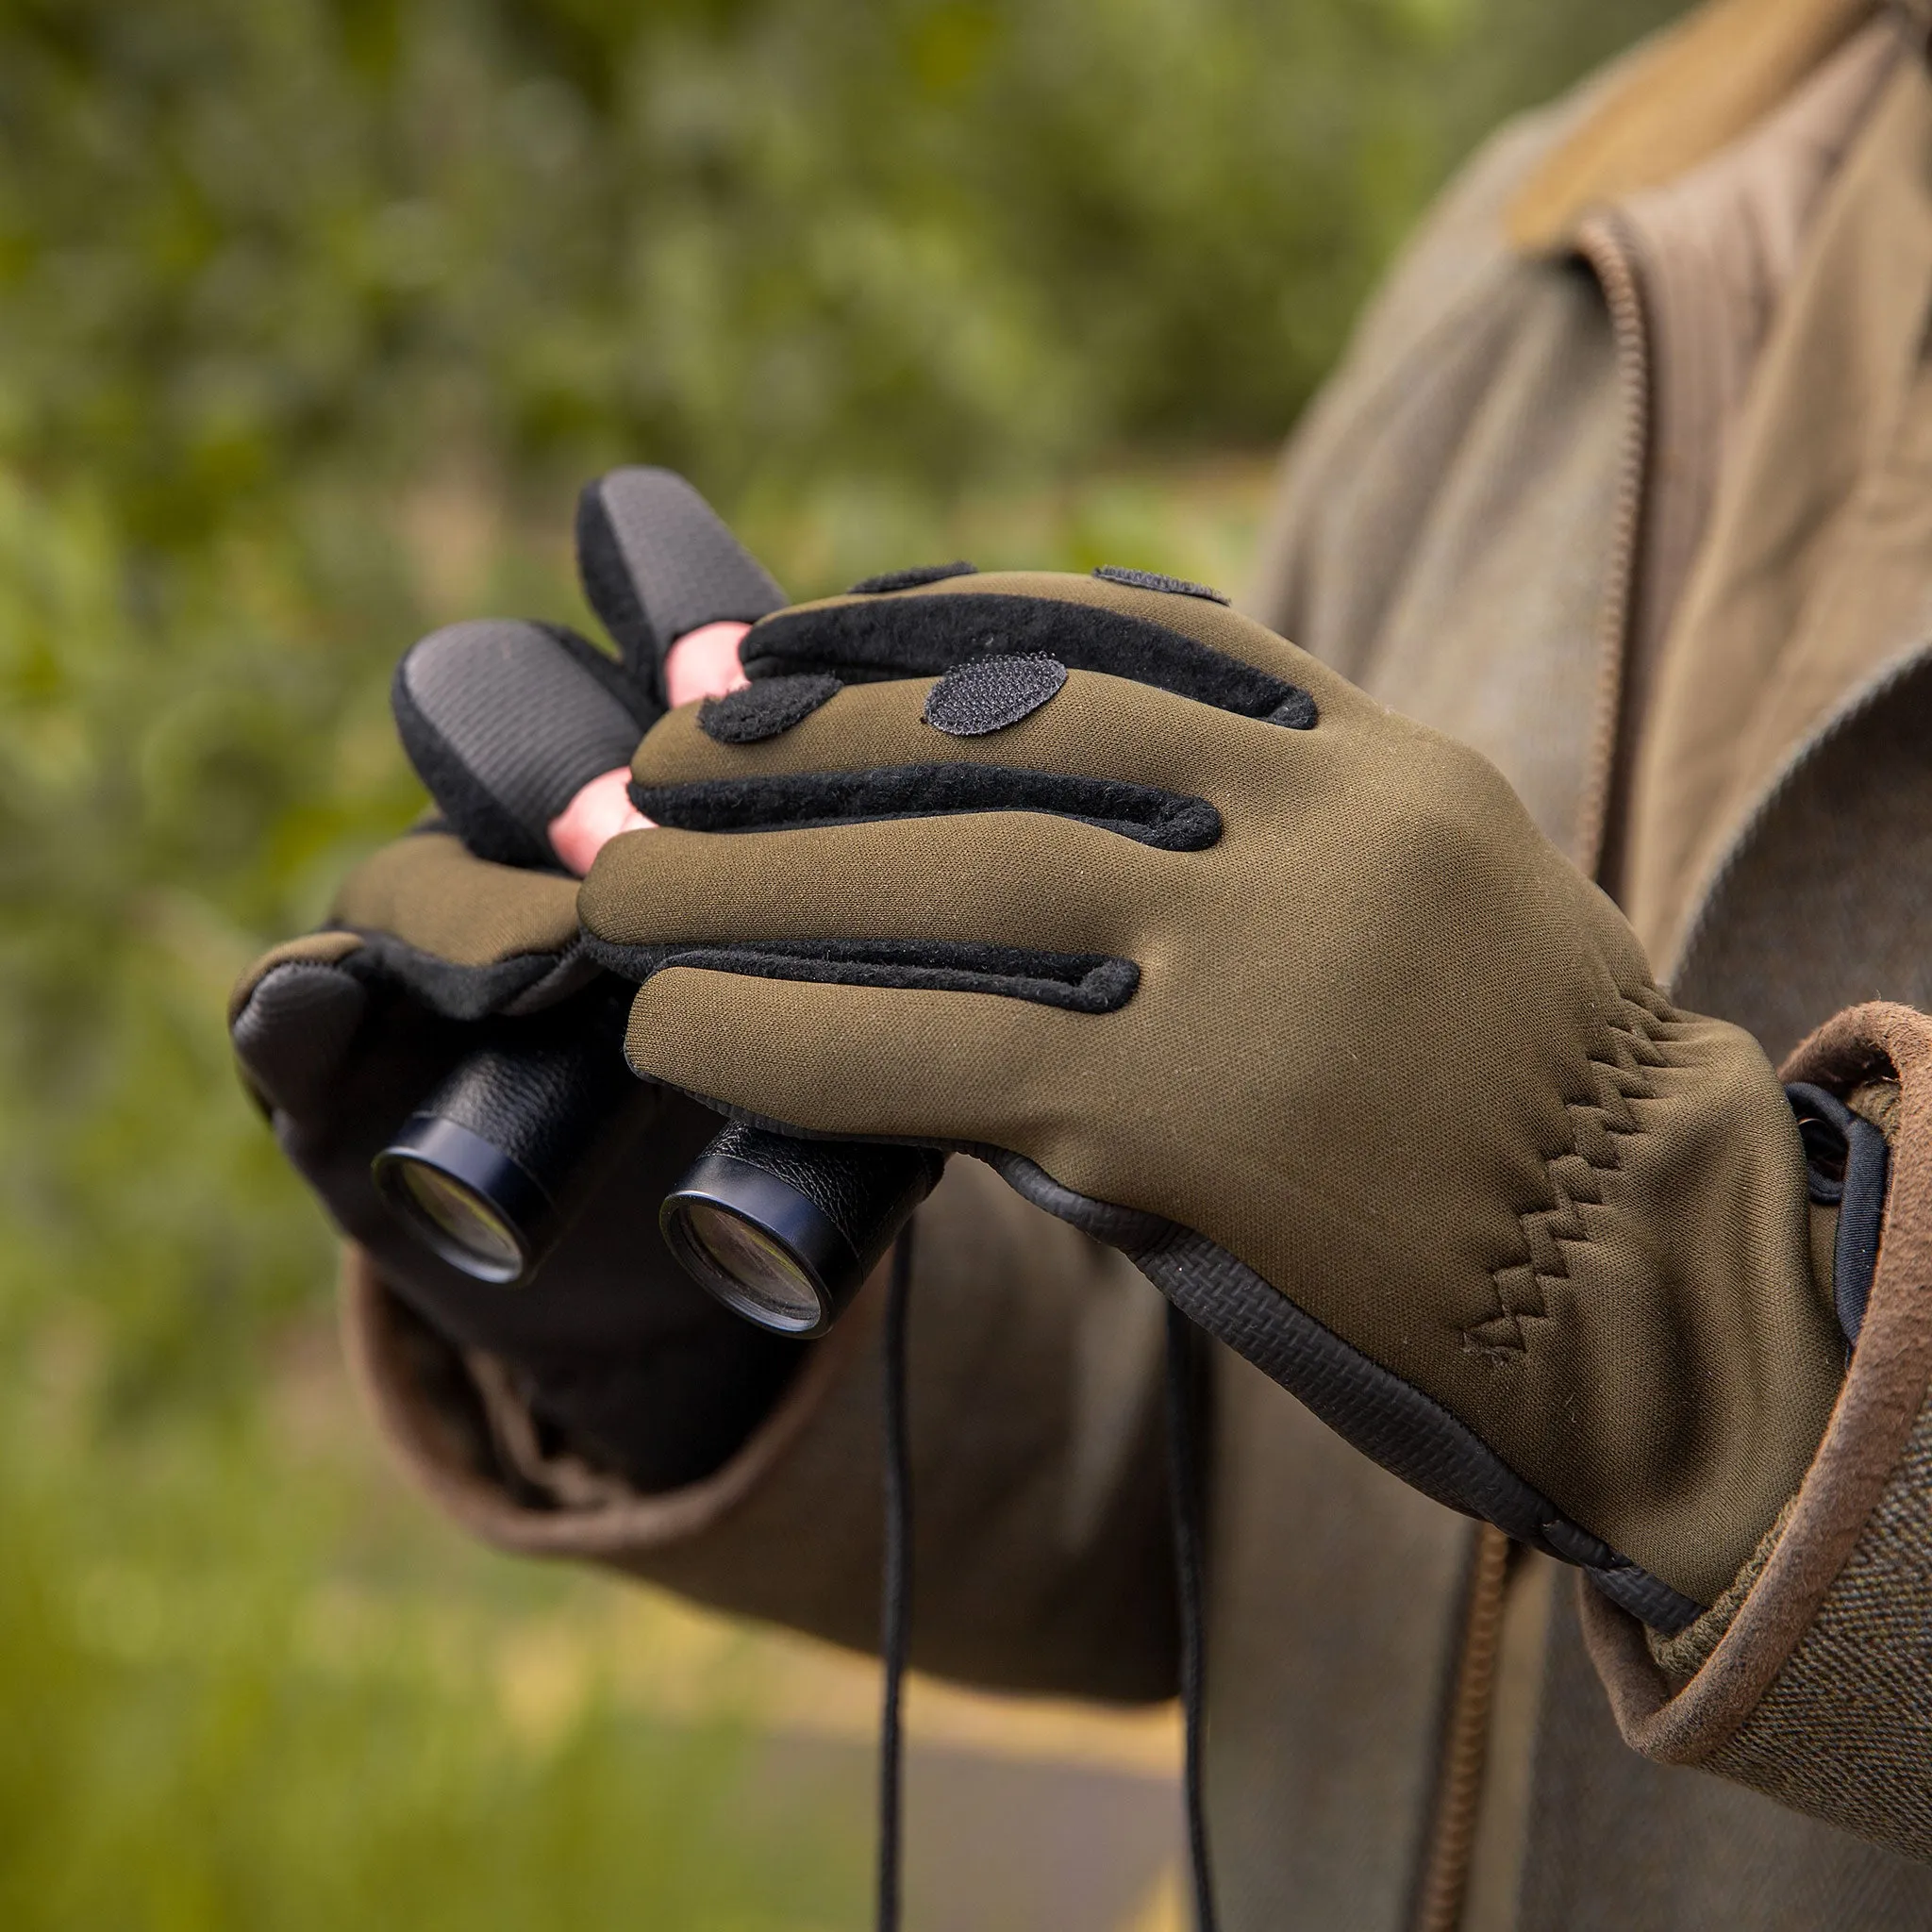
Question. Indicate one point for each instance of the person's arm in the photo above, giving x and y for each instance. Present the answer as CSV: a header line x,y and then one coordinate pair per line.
x,y
1043,1559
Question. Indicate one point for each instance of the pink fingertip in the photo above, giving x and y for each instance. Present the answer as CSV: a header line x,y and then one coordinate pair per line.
x,y
703,663
598,812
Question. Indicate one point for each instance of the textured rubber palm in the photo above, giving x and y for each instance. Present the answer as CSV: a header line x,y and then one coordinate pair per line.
x,y
294,1028
504,724
657,561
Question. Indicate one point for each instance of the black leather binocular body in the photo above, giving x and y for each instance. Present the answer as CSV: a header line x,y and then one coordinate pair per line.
x,y
494,1165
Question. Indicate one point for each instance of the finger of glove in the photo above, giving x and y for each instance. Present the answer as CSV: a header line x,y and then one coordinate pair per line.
x,y
1094,726
466,937
858,1061
292,1019
1188,644
1022,880
505,722
657,561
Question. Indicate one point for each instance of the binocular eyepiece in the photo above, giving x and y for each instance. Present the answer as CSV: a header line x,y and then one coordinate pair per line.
x,y
494,1165
784,1231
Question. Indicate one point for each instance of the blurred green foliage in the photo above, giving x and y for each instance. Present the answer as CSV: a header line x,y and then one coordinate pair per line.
x,y
242,1688
298,298
312,314
769,240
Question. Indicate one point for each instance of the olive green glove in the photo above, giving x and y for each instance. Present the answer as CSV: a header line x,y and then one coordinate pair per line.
x,y
620,1358
432,952
1278,991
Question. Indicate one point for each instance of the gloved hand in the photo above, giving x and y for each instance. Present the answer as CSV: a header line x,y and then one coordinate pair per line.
x,y
1279,993
431,949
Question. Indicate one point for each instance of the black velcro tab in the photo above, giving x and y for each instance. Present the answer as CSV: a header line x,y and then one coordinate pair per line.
x,y
889,581
993,692
755,713
926,637
657,561
1155,581
1167,821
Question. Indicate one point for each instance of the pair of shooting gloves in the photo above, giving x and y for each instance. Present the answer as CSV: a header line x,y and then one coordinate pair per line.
x,y
1204,951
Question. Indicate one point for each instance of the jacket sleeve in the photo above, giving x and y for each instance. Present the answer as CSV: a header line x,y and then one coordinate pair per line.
x,y
1041,1548
1808,1680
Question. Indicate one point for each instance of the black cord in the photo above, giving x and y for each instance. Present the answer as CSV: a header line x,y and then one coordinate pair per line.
x,y
1184,1494
896,1611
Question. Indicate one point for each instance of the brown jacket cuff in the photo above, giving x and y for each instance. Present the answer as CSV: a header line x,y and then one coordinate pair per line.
x,y
602,1520
1034,1385
1814,1688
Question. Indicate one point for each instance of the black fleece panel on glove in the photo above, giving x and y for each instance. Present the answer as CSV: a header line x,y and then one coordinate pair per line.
x,y
870,638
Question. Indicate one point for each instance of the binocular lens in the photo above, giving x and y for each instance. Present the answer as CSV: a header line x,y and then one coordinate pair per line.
x,y
490,1167
456,1221
466,1200
748,1268
784,1231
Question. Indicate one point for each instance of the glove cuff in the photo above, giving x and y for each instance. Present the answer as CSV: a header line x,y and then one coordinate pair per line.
x,y
1806,1679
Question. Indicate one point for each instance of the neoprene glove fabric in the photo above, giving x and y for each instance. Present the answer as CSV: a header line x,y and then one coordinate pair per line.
x,y
1278,991
431,950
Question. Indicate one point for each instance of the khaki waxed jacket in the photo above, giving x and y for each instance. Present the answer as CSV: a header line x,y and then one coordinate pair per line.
x,y
1627,482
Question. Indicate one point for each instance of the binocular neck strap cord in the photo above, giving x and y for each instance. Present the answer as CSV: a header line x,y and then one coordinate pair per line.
x,y
1184,1484
1184,1499
897,1610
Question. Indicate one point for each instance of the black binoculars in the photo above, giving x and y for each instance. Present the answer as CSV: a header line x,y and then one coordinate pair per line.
x,y
497,1161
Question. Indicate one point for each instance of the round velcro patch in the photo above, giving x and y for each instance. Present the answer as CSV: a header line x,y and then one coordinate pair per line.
x,y
990,693
1153,580
911,579
764,708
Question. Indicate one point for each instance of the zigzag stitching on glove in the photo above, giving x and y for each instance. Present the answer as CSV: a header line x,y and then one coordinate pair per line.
x,y
1619,1066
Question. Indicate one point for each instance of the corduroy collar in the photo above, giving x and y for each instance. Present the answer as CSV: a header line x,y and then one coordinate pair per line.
x,y
1690,91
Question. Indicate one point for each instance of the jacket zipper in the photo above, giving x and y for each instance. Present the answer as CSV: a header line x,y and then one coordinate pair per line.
x,y
1465,1739
1601,244
1466,1734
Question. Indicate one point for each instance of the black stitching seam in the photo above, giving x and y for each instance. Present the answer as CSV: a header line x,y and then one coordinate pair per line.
x,y
1618,1069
